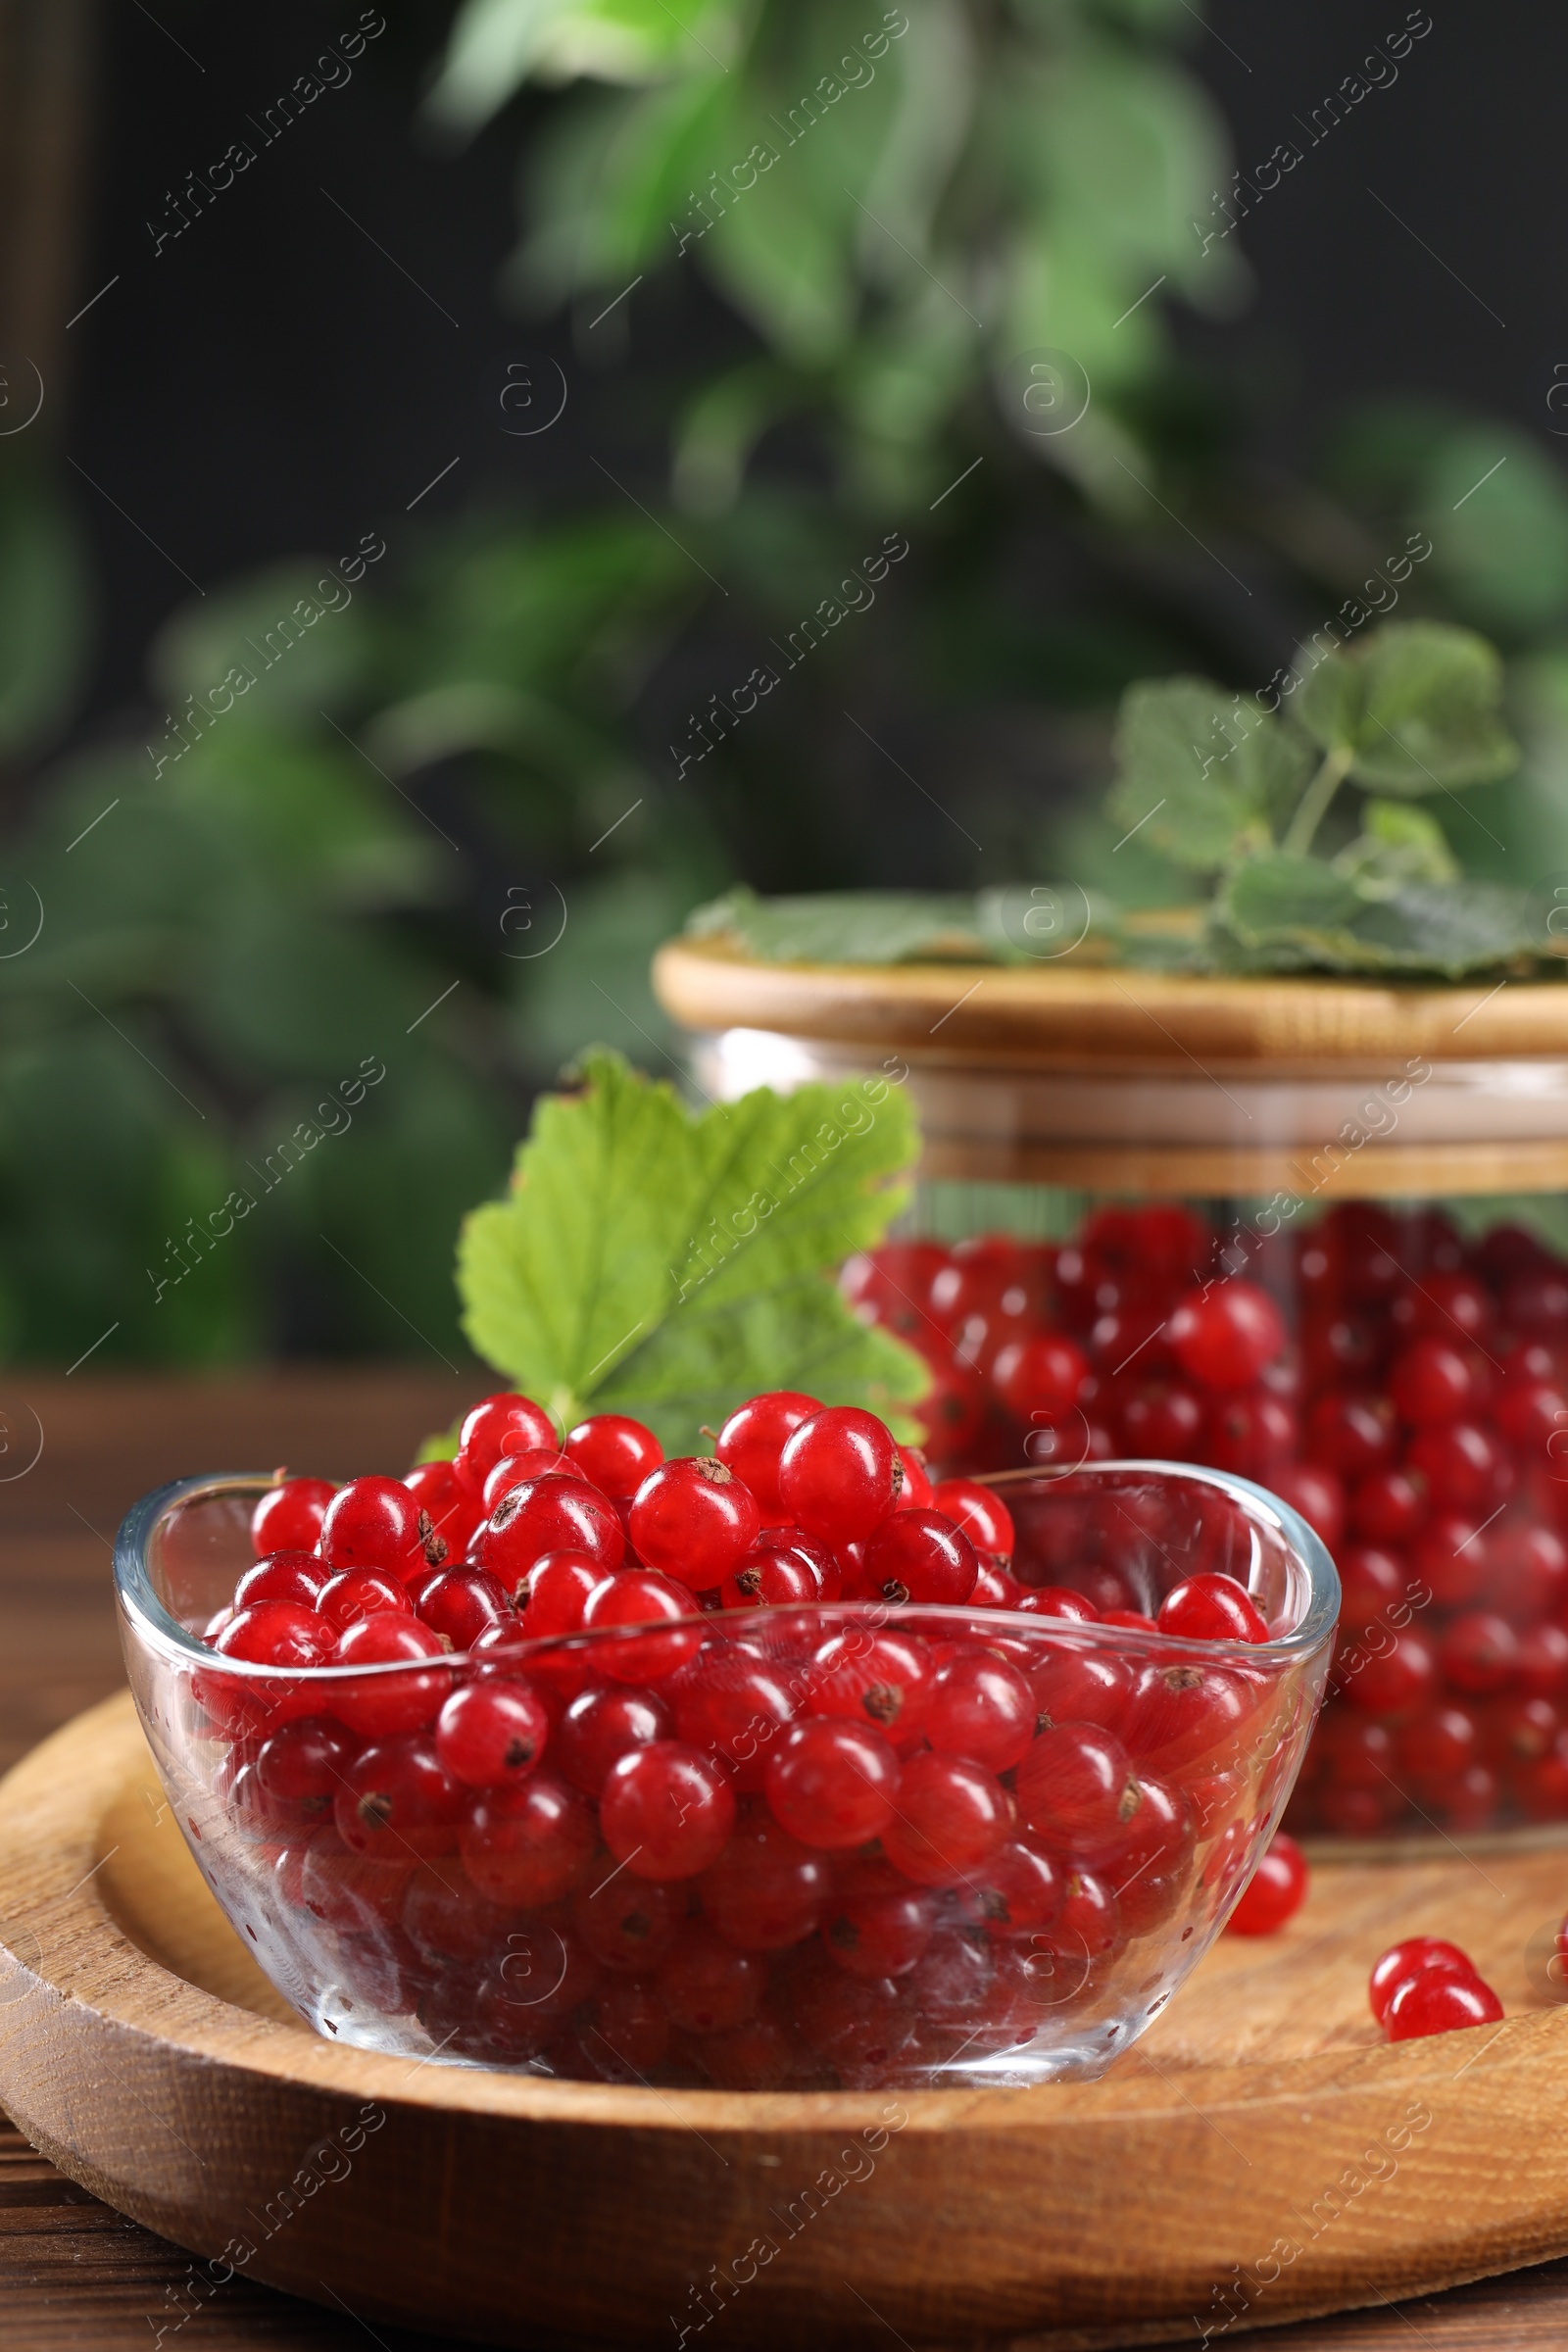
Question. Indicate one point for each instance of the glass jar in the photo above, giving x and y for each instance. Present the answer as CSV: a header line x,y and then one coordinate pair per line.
x,y
1308,1231
867,1845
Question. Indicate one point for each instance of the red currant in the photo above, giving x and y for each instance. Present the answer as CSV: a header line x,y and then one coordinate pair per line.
x,y
377,1522
461,1604
1210,1608
708,1985
614,1452
666,1811
626,1924
492,1734
921,1556
840,1474
981,1513
880,1679
1275,1893
604,1723
498,1426
528,1844
733,1707
381,1705
832,1783
452,1510
1478,1651
288,1517
1075,1785
292,1576
754,1437
642,1598
1432,2003
880,1935
694,1519
1041,1375
304,1761
950,1816
397,1798
516,1469
766,1891
360,1592
1223,1338
554,1594
553,1513
981,1707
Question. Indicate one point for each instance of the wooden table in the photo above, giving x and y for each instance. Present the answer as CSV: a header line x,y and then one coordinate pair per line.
x,y
73,2272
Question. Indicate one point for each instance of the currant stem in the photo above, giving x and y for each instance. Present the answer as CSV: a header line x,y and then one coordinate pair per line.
x,y
1314,802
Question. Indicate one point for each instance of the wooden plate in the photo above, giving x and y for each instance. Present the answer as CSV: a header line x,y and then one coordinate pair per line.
x,y
1259,2156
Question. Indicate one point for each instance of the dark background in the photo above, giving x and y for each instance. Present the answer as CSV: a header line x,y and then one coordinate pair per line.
x,y
271,382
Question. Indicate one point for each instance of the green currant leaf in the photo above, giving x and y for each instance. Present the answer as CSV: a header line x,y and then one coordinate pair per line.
x,y
849,926
653,1262
1201,772
1398,844
1416,707
1279,894
1298,914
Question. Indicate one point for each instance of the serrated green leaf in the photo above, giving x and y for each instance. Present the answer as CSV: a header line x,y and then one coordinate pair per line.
x,y
1398,843
669,1266
849,926
1200,770
1416,707
1443,930
1282,894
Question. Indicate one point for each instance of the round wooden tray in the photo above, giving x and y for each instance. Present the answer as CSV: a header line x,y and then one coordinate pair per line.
x,y
1260,2155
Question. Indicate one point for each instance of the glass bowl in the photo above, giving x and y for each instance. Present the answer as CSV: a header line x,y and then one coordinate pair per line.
x,y
766,1905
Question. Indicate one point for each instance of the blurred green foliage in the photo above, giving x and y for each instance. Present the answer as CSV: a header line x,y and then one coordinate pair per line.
x,y
441,833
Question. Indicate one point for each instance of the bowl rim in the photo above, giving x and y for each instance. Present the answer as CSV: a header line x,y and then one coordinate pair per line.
x,y
146,1613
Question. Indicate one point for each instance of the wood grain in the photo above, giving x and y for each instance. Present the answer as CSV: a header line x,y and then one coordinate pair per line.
x,y
1071,1017
76,2275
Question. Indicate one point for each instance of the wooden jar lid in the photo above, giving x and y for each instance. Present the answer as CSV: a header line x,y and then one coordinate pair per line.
x,y
1092,1017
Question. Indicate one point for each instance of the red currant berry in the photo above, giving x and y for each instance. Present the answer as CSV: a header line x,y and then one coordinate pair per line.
x,y
1388,1506
448,1921
288,1517
733,1707
641,1596
630,2028
614,1452
840,1474
921,1556
769,1576
754,1437
1072,1683
1177,1715
1210,1608
377,1522
1395,1682
996,1589
707,1986
1531,1412
1431,1383
398,1800
983,1708
360,1592
879,1680
880,1935
1478,1651
1351,1433
627,1924
1430,2003
1058,1601
1541,1668
858,2029
1318,1495
292,1576
491,1734
452,1510
766,1891
1040,1376
528,1844
1014,1892
666,1811
1076,1786
516,1469
1223,1338
1459,1462
1162,1420
601,1725
694,1519
462,1605
553,1513
915,1492
303,1762
276,1633
982,1514
498,1426
950,1816
1275,1893
554,1594
832,1784
1527,1570
380,1705
1438,1744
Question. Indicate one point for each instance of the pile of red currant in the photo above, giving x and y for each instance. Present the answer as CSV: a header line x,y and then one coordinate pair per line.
x,y
620,1790
1404,1388
1425,1986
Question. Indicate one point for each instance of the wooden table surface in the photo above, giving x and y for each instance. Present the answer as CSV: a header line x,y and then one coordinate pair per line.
x,y
75,2273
